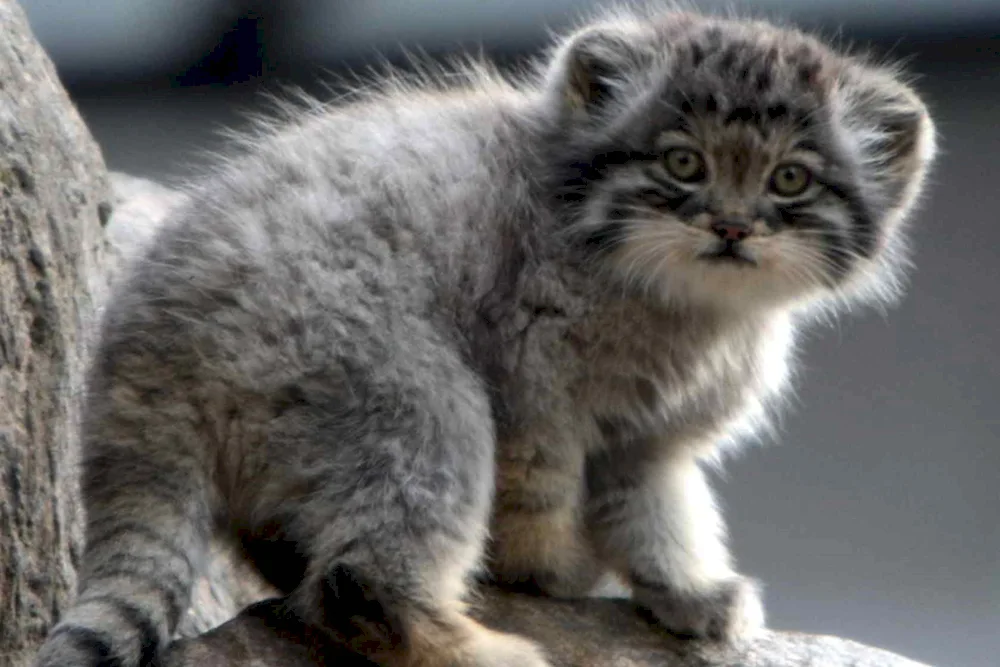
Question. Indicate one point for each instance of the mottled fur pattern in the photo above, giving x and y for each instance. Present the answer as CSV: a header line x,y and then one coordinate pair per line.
x,y
445,328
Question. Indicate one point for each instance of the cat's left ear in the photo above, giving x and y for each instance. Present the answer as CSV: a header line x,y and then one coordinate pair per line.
x,y
895,135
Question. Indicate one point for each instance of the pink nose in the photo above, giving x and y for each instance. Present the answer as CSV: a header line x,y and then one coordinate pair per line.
x,y
729,230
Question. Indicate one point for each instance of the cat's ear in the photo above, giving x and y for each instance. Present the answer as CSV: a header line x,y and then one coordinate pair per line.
x,y
895,135
592,68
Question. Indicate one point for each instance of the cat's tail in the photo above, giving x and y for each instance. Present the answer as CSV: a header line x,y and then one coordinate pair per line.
x,y
148,526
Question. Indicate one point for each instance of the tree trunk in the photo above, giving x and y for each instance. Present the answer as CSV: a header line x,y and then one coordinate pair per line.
x,y
53,199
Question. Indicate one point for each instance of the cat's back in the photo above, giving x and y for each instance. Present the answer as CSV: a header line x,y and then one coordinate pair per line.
x,y
341,222
413,163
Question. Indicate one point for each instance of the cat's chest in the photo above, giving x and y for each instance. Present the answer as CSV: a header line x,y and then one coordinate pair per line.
x,y
627,364
646,368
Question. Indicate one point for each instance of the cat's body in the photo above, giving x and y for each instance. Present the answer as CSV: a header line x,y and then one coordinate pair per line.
x,y
393,328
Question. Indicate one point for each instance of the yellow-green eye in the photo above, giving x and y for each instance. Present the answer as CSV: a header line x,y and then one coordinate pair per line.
x,y
790,180
685,164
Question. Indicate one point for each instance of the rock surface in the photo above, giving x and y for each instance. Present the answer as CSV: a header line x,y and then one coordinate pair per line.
x,y
53,200
585,633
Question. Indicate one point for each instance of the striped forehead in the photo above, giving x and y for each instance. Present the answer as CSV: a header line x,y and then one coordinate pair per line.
x,y
756,59
765,79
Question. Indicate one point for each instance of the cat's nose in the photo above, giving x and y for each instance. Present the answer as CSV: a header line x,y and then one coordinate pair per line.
x,y
731,230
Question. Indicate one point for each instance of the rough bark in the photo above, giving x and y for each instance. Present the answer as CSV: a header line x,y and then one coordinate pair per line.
x,y
53,199
59,251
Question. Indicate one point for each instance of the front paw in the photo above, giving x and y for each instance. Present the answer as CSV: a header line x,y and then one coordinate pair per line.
x,y
730,612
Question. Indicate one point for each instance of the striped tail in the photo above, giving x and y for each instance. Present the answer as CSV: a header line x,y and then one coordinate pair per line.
x,y
147,532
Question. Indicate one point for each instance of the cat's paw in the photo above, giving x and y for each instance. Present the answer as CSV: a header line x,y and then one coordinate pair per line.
x,y
498,649
731,611
459,641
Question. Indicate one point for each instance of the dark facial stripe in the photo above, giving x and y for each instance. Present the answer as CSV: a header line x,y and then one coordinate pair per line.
x,y
658,177
792,214
863,233
834,245
682,206
605,237
580,175
661,200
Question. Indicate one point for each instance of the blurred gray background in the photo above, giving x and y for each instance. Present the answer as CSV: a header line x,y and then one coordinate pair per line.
x,y
875,514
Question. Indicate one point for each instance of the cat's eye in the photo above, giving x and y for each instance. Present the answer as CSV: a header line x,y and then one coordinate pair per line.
x,y
685,164
790,180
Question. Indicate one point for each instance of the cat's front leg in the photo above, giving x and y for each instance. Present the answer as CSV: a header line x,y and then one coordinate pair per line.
x,y
539,542
655,518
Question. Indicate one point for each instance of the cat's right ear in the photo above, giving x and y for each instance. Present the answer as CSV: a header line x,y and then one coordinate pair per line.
x,y
593,67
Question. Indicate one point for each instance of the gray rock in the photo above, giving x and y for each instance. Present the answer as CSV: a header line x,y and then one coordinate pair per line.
x,y
585,633
53,198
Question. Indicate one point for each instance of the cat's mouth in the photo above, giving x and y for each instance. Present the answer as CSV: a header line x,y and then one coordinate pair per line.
x,y
729,252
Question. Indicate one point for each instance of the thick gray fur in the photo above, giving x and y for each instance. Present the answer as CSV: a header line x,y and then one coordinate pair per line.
x,y
457,327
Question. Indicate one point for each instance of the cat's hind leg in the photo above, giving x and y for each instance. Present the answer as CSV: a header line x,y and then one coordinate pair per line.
x,y
382,479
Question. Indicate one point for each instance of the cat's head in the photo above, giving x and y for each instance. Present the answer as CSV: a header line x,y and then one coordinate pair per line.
x,y
736,163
